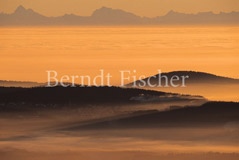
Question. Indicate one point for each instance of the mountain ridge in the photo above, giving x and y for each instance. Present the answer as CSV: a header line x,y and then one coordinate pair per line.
x,y
109,16
6,83
194,77
83,96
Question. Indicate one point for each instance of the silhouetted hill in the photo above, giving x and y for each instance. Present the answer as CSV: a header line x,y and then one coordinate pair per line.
x,y
210,113
108,16
16,98
193,78
71,95
19,84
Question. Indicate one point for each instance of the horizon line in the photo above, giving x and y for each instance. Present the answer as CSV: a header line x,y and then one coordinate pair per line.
x,y
118,9
166,72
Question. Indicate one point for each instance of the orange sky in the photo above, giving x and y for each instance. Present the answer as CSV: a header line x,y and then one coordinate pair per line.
x,y
148,8
84,51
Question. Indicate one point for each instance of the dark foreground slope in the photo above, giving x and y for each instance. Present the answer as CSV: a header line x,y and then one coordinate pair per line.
x,y
211,113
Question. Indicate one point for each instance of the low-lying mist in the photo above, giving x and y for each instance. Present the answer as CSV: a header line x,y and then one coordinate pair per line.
x,y
49,134
216,92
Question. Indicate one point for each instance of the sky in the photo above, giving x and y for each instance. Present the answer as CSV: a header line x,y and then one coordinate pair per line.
x,y
148,8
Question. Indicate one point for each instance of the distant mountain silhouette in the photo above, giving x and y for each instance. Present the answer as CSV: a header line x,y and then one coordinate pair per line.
x,y
23,16
193,78
106,15
109,16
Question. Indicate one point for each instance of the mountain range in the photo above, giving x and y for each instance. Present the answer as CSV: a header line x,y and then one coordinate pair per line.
x,y
109,16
